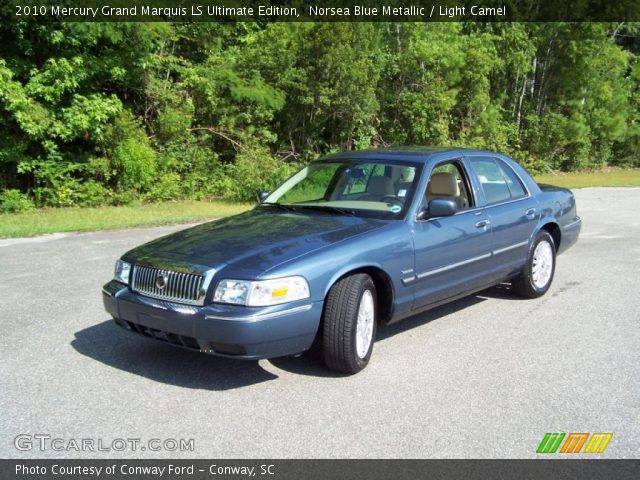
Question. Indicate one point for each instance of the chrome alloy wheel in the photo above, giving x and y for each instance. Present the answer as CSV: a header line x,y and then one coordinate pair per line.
x,y
542,266
364,325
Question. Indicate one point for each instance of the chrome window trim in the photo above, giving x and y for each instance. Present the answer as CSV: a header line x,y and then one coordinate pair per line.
x,y
513,200
260,316
476,209
459,212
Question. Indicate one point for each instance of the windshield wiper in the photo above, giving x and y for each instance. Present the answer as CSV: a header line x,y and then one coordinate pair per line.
x,y
329,208
286,208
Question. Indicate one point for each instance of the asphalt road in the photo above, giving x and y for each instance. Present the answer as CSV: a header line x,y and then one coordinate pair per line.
x,y
486,376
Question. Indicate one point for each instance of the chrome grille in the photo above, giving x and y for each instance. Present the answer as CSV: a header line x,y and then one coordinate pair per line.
x,y
178,287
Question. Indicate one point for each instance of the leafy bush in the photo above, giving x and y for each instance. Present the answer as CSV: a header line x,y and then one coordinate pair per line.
x,y
92,194
166,188
134,160
56,183
173,123
136,163
12,201
196,164
126,197
254,170
120,112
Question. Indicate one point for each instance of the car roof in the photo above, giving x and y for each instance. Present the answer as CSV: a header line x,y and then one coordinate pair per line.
x,y
414,153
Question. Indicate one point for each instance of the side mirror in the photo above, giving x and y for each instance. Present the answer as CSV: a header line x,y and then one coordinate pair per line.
x,y
262,196
442,207
438,207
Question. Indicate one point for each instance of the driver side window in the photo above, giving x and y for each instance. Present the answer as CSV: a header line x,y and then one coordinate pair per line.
x,y
448,181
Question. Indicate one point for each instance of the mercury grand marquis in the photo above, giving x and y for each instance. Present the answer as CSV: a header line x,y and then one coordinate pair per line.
x,y
350,243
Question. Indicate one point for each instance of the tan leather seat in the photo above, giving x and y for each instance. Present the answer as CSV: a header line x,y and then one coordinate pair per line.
x,y
379,187
444,184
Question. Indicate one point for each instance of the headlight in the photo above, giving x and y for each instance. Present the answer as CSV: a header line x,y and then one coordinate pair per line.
x,y
122,271
262,293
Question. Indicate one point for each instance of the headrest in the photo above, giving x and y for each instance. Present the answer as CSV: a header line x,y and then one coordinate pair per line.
x,y
380,186
444,184
408,174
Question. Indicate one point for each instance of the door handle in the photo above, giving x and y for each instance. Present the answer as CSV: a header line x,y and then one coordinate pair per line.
x,y
483,223
530,212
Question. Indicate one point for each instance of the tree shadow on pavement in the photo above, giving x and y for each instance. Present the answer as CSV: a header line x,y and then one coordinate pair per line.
x,y
113,346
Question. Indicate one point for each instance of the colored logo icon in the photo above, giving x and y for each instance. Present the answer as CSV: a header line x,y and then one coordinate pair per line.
x,y
573,443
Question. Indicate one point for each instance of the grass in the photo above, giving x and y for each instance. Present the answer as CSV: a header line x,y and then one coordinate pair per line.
x,y
50,220
611,177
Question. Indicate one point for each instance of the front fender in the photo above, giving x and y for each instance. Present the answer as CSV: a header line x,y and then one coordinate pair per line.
x,y
388,250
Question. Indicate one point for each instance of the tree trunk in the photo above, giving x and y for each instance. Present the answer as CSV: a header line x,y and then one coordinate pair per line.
x,y
543,77
520,100
533,74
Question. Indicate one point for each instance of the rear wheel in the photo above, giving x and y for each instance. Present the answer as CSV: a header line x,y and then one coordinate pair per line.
x,y
349,324
537,275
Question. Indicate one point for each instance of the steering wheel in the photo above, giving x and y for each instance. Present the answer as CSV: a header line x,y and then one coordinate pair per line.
x,y
392,199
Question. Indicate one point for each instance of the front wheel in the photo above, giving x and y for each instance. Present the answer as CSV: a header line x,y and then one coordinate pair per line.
x,y
537,275
349,324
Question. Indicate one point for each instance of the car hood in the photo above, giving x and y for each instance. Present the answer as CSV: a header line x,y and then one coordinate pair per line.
x,y
252,242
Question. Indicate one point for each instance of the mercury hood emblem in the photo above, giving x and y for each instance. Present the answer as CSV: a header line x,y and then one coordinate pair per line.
x,y
161,282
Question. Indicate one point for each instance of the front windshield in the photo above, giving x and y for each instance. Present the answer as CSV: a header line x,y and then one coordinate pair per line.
x,y
367,188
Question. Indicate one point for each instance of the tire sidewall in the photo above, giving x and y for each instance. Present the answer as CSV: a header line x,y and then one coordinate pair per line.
x,y
542,236
364,286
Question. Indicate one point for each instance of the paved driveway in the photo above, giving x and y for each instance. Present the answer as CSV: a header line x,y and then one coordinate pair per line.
x,y
486,376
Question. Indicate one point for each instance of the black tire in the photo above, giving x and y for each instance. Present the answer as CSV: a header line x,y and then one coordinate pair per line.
x,y
340,323
524,284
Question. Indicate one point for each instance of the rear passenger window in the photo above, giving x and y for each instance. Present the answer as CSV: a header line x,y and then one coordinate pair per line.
x,y
513,182
499,182
492,180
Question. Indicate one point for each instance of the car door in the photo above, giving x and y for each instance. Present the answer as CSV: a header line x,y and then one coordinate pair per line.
x,y
451,253
512,211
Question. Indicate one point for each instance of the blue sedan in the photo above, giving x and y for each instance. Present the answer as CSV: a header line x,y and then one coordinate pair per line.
x,y
350,243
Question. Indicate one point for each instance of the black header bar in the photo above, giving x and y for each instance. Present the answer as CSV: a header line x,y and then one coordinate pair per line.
x,y
321,10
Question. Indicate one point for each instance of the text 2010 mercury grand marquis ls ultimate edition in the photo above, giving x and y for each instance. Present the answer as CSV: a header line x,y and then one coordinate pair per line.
x,y
351,242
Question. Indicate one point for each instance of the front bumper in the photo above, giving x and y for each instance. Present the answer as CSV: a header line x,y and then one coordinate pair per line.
x,y
228,330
